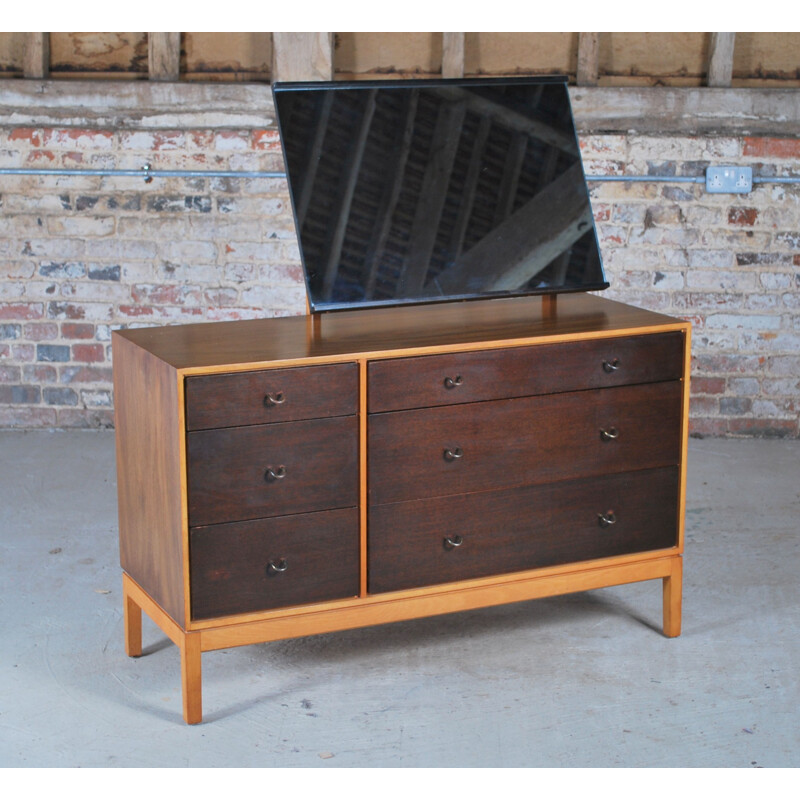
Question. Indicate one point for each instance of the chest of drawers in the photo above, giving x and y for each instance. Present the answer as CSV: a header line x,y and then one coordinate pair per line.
x,y
286,477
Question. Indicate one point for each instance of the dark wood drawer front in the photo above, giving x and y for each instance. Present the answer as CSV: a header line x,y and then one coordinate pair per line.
x,y
314,466
271,395
523,528
270,563
483,446
517,372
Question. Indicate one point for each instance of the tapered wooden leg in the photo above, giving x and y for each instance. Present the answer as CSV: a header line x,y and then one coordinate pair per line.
x,y
132,618
673,591
191,679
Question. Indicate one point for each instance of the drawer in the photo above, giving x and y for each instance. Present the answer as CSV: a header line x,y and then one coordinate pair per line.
x,y
423,381
474,447
271,395
271,470
522,528
270,563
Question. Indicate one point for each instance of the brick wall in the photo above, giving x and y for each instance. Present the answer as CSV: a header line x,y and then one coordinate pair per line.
x,y
80,256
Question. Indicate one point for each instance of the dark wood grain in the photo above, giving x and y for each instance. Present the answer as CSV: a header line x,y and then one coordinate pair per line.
x,y
525,440
544,369
230,571
276,395
148,436
350,334
227,469
521,528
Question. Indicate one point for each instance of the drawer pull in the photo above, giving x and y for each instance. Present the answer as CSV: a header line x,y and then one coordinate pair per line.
x,y
451,542
276,569
276,399
275,474
451,383
611,366
609,434
452,455
604,520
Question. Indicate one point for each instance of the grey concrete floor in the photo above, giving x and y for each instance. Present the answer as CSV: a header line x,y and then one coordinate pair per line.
x,y
580,681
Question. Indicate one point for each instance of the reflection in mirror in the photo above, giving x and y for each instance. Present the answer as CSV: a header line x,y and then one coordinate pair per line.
x,y
433,190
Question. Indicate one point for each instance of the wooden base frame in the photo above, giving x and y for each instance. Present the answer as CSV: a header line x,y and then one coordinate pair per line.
x,y
391,607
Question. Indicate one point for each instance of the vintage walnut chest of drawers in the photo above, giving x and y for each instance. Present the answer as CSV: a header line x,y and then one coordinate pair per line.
x,y
284,477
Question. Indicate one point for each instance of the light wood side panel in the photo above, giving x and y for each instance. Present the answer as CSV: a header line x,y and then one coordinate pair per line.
x,y
148,440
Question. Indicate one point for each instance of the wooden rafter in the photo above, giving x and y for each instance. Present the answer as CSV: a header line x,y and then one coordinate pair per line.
x,y
528,240
164,56
588,59
302,57
720,59
36,56
432,196
452,55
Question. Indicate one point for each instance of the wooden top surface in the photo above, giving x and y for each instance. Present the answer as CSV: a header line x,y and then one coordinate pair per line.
x,y
389,331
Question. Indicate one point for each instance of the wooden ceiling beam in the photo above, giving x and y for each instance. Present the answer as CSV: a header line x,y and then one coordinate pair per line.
x,y
302,57
164,56
588,59
452,55
720,59
36,55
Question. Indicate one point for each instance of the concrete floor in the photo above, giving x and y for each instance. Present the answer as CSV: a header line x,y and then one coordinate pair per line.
x,y
579,681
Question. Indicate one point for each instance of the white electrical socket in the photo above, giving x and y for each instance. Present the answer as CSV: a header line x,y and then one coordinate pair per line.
x,y
729,180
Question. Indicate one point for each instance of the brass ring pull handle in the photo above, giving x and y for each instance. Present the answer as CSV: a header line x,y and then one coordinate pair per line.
x,y
451,383
611,366
609,434
276,569
453,454
276,399
604,520
275,474
451,542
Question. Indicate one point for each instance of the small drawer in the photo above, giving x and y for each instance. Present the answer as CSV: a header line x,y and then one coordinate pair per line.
x,y
270,563
271,470
423,381
426,542
432,452
271,395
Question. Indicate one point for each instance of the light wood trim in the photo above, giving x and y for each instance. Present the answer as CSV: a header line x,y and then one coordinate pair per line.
x,y
673,593
444,602
452,55
132,591
588,59
36,55
430,350
164,56
362,469
302,57
132,621
184,499
720,59
344,605
192,678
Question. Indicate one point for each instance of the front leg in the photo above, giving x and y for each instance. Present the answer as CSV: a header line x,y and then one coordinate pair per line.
x,y
191,679
673,591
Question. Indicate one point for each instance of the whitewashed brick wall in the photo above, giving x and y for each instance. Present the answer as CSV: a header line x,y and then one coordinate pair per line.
x,y
80,256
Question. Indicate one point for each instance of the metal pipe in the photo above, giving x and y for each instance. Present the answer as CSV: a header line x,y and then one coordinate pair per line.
x,y
148,174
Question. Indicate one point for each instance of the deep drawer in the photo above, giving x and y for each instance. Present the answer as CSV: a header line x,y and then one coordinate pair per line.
x,y
270,470
270,563
423,381
523,528
271,395
483,446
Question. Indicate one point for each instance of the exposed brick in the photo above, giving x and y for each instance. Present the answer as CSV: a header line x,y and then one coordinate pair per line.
x,y
60,396
67,269
88,353
11,331
52,352
20,394
108,273
742,216
765,147
21,310
41,331
77,330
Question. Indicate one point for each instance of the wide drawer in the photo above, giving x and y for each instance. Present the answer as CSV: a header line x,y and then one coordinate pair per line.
x,y
271,395
270,563
402,383
426,542
270,470
474,447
